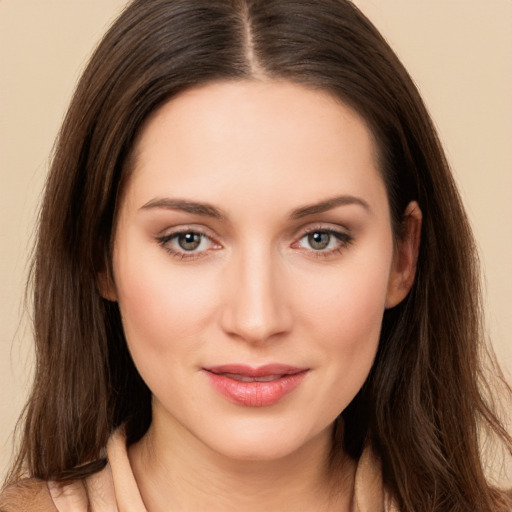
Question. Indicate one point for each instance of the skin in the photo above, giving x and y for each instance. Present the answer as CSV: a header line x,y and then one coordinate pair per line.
x,y
255,290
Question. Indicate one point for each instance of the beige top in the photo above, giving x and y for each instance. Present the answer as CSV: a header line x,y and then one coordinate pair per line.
x,y
114,489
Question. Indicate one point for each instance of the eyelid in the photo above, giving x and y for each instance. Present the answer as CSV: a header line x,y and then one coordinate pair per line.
x,y
327,227
167,235
343,235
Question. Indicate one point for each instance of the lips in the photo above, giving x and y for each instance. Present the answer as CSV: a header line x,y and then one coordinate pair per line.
x,y
246,378
255,387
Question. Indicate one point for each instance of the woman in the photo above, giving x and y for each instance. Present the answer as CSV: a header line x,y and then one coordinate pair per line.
x,y
255,286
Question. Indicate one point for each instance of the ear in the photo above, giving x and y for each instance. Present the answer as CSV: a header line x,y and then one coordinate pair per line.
x,y
405,257
106,286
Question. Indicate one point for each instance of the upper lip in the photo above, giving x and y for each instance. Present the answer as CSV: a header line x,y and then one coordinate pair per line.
x,y
259,371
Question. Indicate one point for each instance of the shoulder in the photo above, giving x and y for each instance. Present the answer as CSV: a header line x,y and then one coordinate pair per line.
x,y
95,492
27,495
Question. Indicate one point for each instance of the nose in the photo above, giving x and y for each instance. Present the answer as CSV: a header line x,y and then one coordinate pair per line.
x,y
256,306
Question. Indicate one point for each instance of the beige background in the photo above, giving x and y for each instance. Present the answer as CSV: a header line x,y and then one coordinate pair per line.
x,y
458,51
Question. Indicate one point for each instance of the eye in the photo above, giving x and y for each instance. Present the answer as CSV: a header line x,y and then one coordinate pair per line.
x,y
187,243
324,241
319,240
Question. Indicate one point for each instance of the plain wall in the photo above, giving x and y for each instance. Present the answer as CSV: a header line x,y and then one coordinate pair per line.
x,y
459,52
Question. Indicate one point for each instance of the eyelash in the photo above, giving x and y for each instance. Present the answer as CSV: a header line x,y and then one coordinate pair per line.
x,y
344,240
165,240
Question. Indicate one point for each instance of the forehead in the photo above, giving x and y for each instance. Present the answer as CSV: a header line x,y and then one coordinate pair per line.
x,y
253,137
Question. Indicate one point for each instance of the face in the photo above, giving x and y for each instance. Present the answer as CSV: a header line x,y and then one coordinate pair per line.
x,y
253,261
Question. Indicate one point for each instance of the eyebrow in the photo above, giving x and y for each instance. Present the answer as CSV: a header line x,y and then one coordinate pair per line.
x,y
208,210
329,204
184,205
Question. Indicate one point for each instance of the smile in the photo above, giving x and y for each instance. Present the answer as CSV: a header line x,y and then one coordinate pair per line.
x,y
245,378
255,387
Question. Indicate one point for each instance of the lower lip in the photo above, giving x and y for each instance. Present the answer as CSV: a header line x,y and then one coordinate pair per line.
x,y
255,394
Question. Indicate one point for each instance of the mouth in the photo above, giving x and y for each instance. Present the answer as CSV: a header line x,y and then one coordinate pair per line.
x,y
255,387
246,378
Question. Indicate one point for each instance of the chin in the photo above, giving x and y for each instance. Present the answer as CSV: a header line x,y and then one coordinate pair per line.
x,y
266,443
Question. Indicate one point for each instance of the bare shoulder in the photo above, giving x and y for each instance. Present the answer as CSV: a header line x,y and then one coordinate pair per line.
x,y
28,495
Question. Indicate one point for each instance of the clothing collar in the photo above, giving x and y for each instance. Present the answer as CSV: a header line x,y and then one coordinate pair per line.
x,y
114,489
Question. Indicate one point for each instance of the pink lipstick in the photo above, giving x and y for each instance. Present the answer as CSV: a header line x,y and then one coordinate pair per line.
x,y
255,387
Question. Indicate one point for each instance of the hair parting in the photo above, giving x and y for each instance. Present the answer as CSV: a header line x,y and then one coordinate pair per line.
x,y
426,403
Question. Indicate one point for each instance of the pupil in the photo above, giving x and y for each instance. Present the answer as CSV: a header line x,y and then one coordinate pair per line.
x,y
319,240
189,241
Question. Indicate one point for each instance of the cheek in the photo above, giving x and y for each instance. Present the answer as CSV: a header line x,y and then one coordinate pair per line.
x,y
344,312
162,310
348,304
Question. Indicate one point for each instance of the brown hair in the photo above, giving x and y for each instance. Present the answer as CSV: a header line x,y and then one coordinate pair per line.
x,y
422,407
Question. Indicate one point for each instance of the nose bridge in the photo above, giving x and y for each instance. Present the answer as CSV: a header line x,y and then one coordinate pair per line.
x,y
256,307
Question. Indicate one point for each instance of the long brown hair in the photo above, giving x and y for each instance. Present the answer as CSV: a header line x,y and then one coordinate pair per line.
x,y
422,407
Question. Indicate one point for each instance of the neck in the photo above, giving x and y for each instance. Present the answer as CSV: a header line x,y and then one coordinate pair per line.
x,y
175,471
